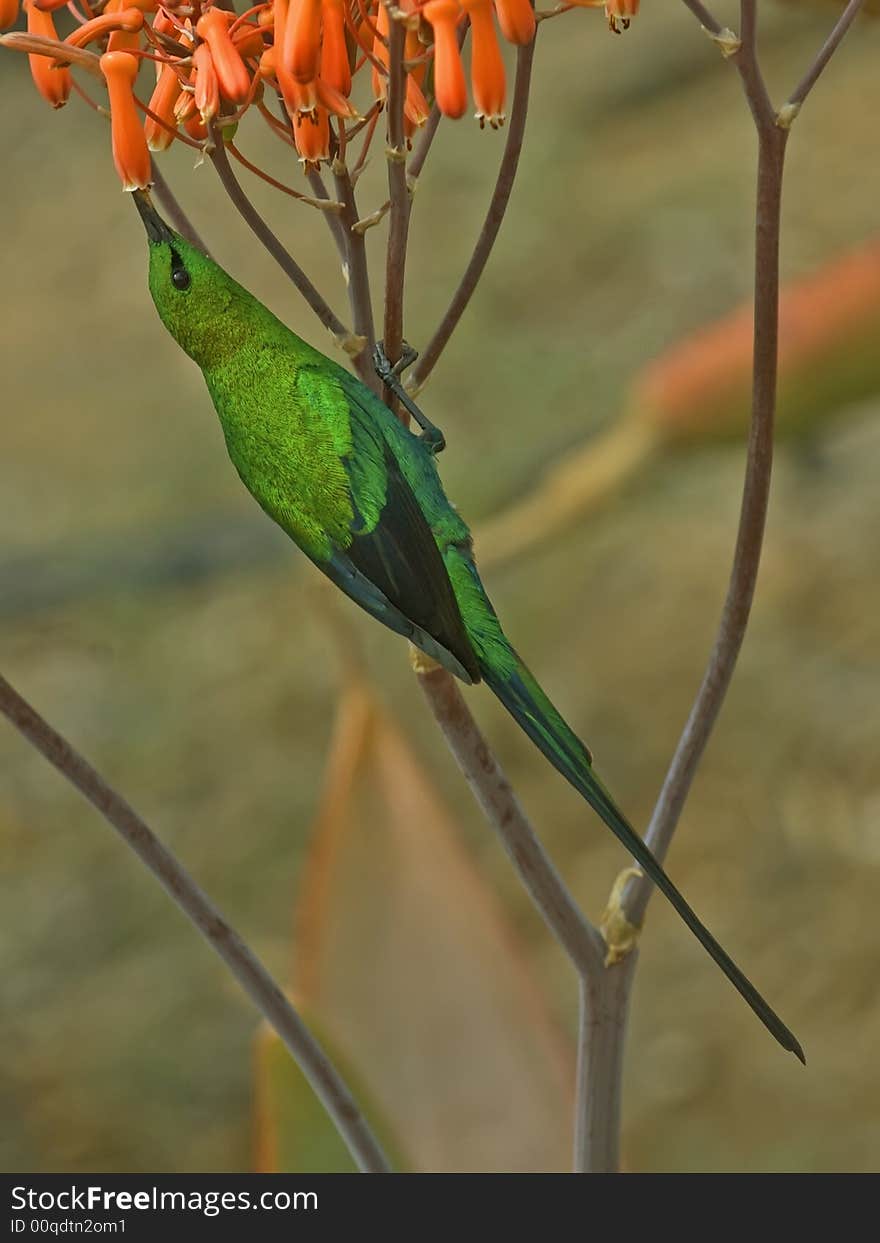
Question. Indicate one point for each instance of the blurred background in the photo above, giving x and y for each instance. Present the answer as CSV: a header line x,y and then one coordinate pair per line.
x,y
160,621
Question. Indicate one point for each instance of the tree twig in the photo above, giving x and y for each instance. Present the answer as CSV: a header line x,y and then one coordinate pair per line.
x,y
319,189
703,16
357,273
426,139
398,223
829,47
264,234
223,939
582,942
603,1011
491,224
759,461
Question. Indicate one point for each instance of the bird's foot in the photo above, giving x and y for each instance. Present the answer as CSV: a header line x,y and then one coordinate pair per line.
x,y
383,366
389,373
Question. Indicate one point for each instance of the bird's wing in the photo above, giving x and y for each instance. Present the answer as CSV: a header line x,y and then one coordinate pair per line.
x,y
393,567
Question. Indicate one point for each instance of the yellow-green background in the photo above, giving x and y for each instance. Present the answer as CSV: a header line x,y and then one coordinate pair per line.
x,y
155,615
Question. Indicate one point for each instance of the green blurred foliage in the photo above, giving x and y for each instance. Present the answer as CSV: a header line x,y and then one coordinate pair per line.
x,y
158,619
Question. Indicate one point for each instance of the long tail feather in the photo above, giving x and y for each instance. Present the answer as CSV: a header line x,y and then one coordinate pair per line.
x,y
524,699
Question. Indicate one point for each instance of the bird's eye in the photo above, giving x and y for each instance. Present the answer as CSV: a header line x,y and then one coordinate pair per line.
x,y
180,278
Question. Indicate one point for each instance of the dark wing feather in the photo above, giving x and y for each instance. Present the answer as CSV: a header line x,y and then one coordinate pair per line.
x,y
400,556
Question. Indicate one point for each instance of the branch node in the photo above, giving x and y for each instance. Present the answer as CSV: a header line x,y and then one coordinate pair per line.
x,y
396,155
351,343
787,115
367,222
621,937
727,42
420,662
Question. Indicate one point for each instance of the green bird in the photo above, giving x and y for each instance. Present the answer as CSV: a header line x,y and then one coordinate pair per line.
x,y
359,493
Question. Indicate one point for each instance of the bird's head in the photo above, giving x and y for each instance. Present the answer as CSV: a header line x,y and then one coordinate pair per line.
x,y
197,301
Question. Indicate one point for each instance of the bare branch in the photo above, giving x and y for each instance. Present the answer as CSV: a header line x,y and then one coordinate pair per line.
x,y
357,273
604,1008
223,939
398,225
264,234
703,16
829,47
581,941
750,535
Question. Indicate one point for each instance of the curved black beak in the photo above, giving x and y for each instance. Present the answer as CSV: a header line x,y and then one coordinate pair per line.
x,y
157,229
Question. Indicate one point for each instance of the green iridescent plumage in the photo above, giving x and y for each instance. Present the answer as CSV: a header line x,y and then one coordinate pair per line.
x,y
361,496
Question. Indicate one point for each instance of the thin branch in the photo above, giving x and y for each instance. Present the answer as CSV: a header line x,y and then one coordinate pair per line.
x,y
830,46
398,224
223,939
173,210
320,191
703,16
492,223
603,1012
753,513
746,61
426,138
357,274
264,234
581,941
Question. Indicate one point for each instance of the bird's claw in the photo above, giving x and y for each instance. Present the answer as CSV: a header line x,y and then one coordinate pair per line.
x,y
389,373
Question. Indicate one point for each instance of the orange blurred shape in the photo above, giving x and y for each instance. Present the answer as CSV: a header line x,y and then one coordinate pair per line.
x,y
829,323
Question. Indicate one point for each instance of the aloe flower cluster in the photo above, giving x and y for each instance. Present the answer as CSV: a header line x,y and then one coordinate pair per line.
x,y
316,71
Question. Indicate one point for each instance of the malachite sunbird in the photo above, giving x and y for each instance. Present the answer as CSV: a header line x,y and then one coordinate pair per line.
x,y
360,494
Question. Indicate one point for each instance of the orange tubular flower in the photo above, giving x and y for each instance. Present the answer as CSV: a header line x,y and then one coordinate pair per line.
x,y
232,75
416,108
311,133
415,103
53,84
517,20
130,154
487,67
335,66
8,13
131,20
207,93
302,40
196,127
162,102
247,41
449,85
185,105
620,13
380,55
